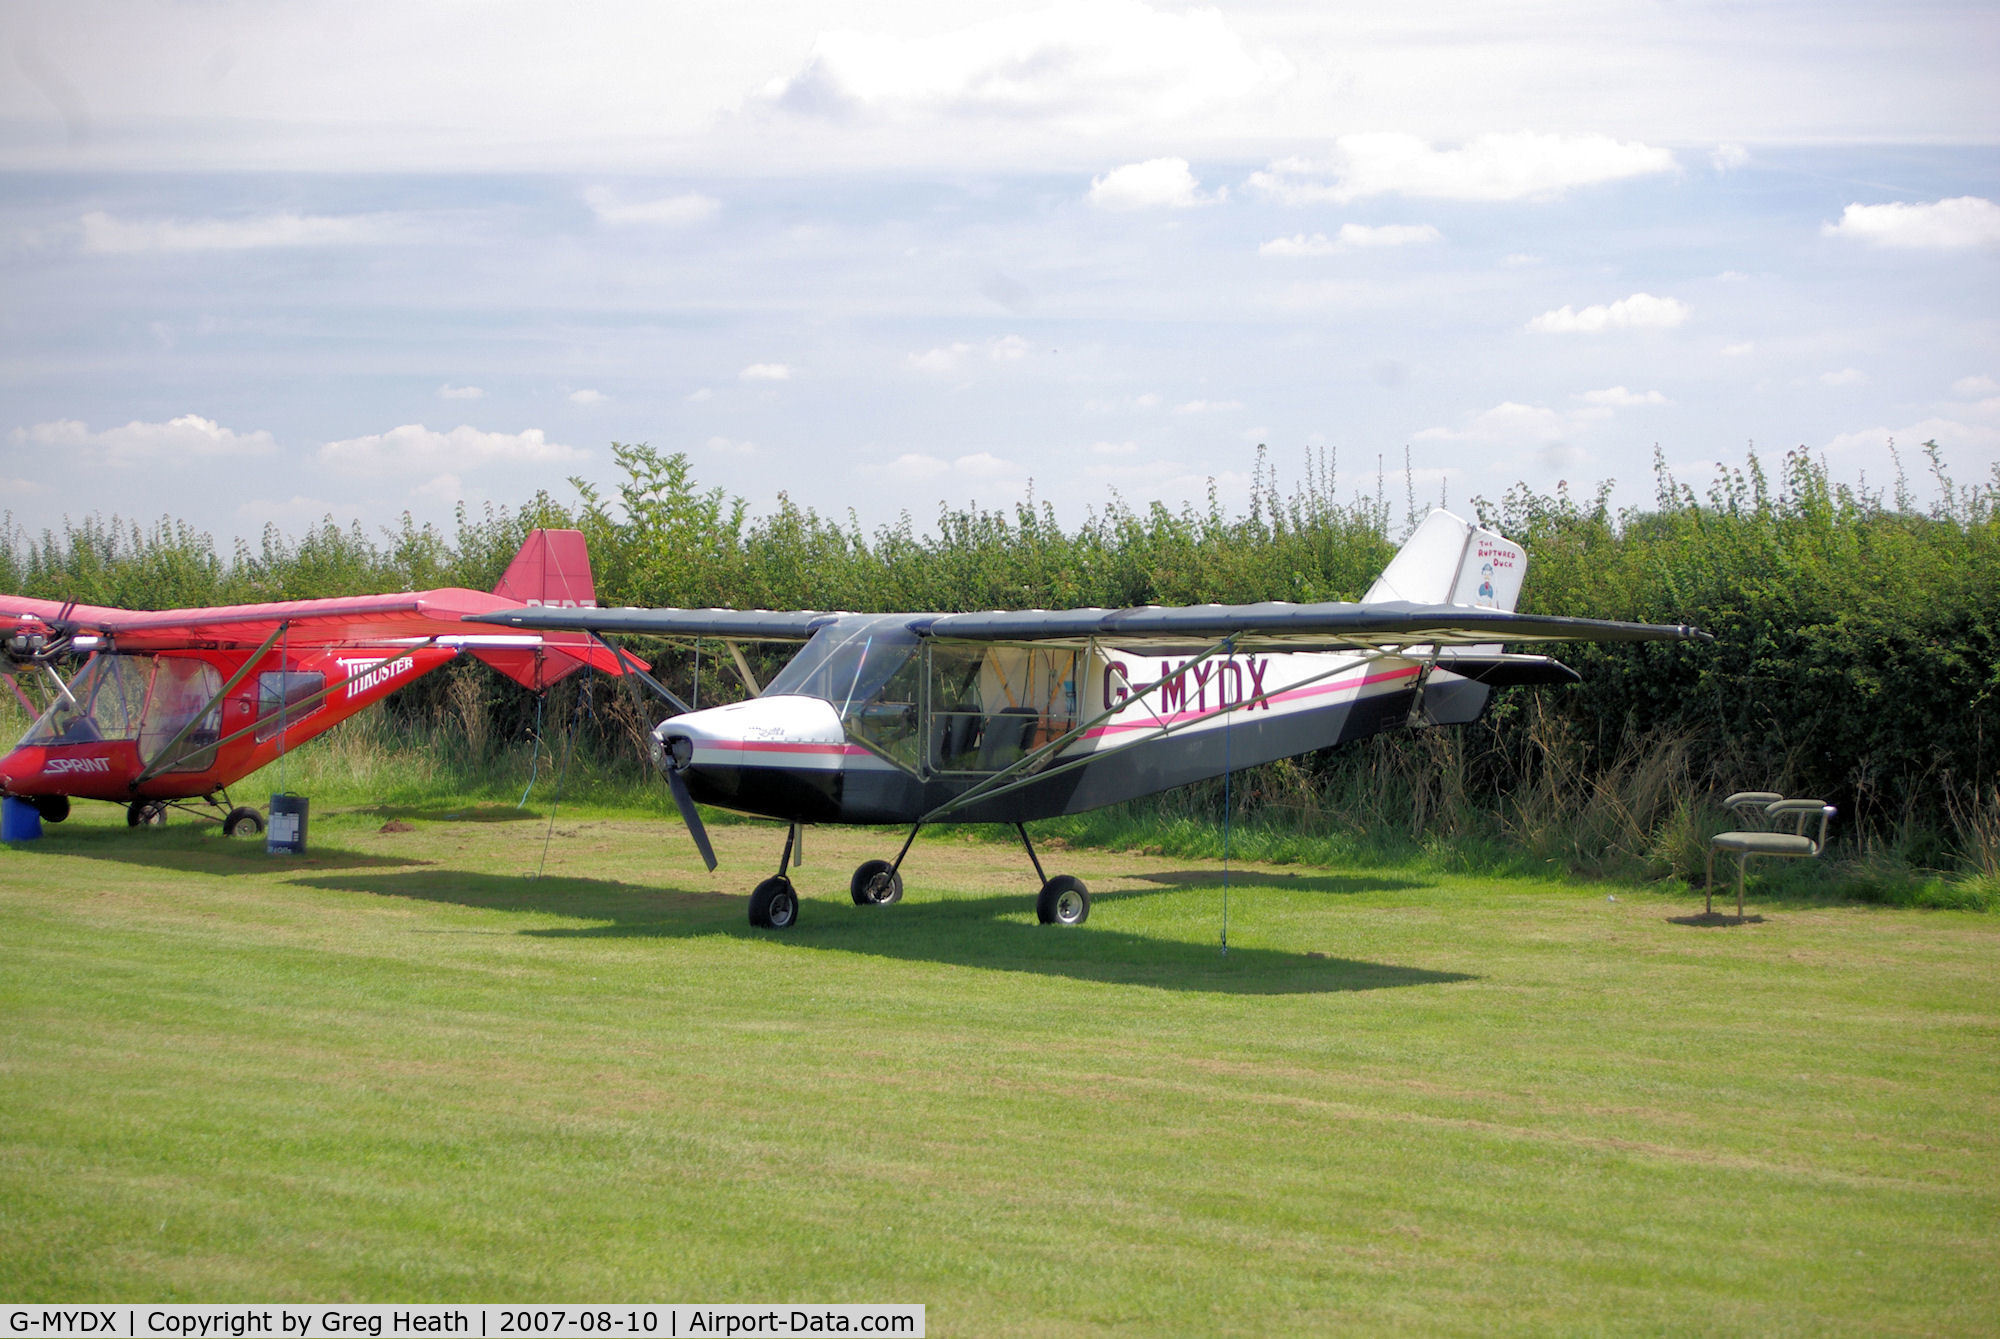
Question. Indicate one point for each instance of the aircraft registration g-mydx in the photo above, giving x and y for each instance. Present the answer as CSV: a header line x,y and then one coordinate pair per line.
x,y
173,705
1009,717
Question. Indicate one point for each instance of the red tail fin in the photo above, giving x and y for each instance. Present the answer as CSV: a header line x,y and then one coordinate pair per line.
x,y
552,570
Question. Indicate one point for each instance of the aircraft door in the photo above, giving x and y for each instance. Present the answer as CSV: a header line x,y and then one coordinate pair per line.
x,y
181,689
991,705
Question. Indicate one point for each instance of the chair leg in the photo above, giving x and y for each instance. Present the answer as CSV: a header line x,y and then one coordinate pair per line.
x,y
1708,886
1742,867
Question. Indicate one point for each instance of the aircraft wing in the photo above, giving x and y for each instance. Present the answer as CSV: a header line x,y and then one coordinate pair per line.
x,y
1279,626
360,620
1273,626
735,625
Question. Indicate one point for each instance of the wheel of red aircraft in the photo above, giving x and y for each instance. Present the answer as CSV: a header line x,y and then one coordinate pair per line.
x,y
1063,901
146,814
876,884
774,906
52,808
243,819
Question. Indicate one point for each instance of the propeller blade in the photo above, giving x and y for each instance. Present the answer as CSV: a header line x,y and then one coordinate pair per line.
x,y
691,816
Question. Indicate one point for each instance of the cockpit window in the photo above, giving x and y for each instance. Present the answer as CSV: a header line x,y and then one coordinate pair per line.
x,y
869,669
109,696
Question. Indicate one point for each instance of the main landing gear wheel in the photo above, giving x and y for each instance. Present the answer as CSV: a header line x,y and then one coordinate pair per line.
x,y
774,906
1063,901
243,819
146,814
876,884
52,808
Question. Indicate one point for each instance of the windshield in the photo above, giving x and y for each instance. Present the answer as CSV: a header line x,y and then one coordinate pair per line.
x,y
109,693
847,662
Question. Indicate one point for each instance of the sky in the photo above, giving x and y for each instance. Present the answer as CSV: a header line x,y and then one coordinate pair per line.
x,y
267,263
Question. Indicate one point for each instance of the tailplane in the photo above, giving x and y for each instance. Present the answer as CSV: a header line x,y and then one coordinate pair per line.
x,y
1447,560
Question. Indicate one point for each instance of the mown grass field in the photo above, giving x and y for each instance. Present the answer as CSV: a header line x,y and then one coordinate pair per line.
x,y
399,1069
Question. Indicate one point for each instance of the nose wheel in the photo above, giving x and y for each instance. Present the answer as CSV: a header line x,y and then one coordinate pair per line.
x,y
876,884
774,905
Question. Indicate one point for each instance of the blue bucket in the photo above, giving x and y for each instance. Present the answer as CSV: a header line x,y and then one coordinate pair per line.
x,y
19,821
285,834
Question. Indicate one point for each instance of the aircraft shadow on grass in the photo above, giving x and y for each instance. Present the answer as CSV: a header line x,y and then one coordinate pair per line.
x,y
996,933
194,851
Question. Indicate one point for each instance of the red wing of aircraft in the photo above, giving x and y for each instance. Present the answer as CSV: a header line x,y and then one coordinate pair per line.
x,y
174,705
1009,717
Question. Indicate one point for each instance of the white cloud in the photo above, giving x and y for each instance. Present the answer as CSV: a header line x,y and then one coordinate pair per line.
x,y
1617,397
1511,166
587,397
189,437
672,211
1728,157
918,466
948,358
1508,423
700,396
1351,235
1114,448
443,488
451,392
1964,221
940,360
1641,311
1846,376
1096,62
1388,234
105,235
1520,260
765,372
983,465
416,449
1157,183
1207,406
730,447
1738,350
1971,387
1948,433
1298,244
21,487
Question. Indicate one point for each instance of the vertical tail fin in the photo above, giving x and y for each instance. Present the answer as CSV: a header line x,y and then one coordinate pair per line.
x,y
552,570
1447,560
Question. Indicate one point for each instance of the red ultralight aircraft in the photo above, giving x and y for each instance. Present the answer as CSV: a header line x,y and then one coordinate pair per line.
x,y
173,705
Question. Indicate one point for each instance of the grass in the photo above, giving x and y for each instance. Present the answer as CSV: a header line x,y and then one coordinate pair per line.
x,y
1407,1100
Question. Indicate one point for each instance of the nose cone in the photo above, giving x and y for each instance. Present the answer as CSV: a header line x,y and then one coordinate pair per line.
x,y
15,771
736,734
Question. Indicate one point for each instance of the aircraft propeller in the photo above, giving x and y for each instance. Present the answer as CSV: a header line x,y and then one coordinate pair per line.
x,y
677,753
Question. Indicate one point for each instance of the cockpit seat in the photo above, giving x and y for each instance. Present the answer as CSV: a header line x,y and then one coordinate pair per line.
x,y
1006,737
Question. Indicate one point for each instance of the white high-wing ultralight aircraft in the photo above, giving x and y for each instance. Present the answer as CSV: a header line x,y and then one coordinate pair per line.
x,y
1009,717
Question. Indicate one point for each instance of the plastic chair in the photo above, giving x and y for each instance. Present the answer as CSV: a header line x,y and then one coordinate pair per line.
x,y
1768,841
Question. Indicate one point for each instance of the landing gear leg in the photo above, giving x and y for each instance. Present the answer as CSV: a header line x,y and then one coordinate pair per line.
x,y
1063,900
146,814
774,904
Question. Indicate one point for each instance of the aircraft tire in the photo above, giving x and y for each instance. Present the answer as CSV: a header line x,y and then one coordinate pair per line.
x,y
774,906
1064,900
146,814
243,819
866,894
52,808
